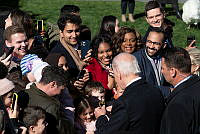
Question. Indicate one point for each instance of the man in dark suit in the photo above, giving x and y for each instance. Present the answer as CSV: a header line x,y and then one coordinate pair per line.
x,y
182,114
139,109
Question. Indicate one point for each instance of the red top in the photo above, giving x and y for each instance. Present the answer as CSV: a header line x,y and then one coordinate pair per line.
x,y
98,72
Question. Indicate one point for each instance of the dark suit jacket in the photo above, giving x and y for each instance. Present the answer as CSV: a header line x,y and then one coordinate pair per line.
x,y
182,114
137,111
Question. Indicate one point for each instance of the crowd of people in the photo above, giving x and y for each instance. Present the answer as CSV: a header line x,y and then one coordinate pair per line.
x,y
117,82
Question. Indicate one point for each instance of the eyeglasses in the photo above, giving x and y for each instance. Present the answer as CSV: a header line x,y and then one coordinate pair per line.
x,y
158,16
154,43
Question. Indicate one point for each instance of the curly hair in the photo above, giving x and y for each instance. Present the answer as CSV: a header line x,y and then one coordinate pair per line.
x,y
68,18
118,37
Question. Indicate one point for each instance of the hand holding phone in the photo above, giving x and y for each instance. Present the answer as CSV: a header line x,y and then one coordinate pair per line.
x,y
40,26
10,51
13,112
81,74
85,47
191,41
14,101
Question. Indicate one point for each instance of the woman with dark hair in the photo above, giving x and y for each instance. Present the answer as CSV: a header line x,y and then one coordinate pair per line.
x,y
57,59
109,25
22,19
126,40
100,63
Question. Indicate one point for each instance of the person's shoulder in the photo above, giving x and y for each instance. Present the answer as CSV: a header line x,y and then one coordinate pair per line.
x,y
139,52
58,48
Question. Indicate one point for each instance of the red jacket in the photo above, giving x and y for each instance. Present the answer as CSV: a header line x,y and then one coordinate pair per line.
x,y
98,72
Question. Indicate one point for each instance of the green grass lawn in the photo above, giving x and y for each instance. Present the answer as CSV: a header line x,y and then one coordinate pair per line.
x,y
93,11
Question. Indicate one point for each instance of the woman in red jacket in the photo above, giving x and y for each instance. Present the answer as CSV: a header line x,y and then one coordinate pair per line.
x,y
100,64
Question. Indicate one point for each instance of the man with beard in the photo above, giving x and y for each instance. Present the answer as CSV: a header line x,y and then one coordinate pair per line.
x,y
15,37
155,17
149,59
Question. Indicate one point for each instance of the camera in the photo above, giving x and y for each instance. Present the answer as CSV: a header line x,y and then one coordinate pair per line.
x,y
81,74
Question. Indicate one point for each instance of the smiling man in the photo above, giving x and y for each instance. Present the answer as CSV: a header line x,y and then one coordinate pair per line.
x,y
155,17
15,37
149,59
41,94
69,26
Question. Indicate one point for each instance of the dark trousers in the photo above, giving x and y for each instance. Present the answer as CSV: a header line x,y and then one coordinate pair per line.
x,y
131,6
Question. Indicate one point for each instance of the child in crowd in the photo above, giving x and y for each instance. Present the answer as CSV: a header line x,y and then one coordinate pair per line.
x,y
6,113
31,66
84,116
34,120
96,89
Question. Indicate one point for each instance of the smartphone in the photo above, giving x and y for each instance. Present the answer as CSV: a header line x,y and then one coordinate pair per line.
x,y
10,51
190,38
15,97
85,47
40,26
81,74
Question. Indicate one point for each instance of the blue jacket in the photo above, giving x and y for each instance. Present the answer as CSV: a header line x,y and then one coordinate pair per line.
x,y
147,72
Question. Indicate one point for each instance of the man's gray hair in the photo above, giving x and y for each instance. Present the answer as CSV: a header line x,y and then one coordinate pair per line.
x,y
126,64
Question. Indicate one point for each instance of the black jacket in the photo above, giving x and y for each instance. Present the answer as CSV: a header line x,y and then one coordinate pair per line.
x,y
137,111
182,114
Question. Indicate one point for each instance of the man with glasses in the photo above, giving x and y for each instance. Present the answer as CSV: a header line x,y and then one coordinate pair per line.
x,y
155,17
149,59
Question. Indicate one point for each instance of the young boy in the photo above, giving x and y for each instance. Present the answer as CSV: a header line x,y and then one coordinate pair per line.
x,y
95,89
34,119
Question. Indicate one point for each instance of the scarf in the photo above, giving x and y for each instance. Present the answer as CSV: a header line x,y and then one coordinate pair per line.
x,y
79,63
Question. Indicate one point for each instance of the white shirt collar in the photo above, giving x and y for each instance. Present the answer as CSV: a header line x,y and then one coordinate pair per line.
x,y
182,81
138,78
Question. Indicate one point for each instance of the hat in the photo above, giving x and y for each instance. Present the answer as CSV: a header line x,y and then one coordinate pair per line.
x,y
6,86
27,62
37,68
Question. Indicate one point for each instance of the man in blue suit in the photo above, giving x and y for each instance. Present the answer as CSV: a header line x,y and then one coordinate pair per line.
x,y
149,59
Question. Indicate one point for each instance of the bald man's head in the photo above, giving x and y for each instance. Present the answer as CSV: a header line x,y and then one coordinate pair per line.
x,y
126,64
